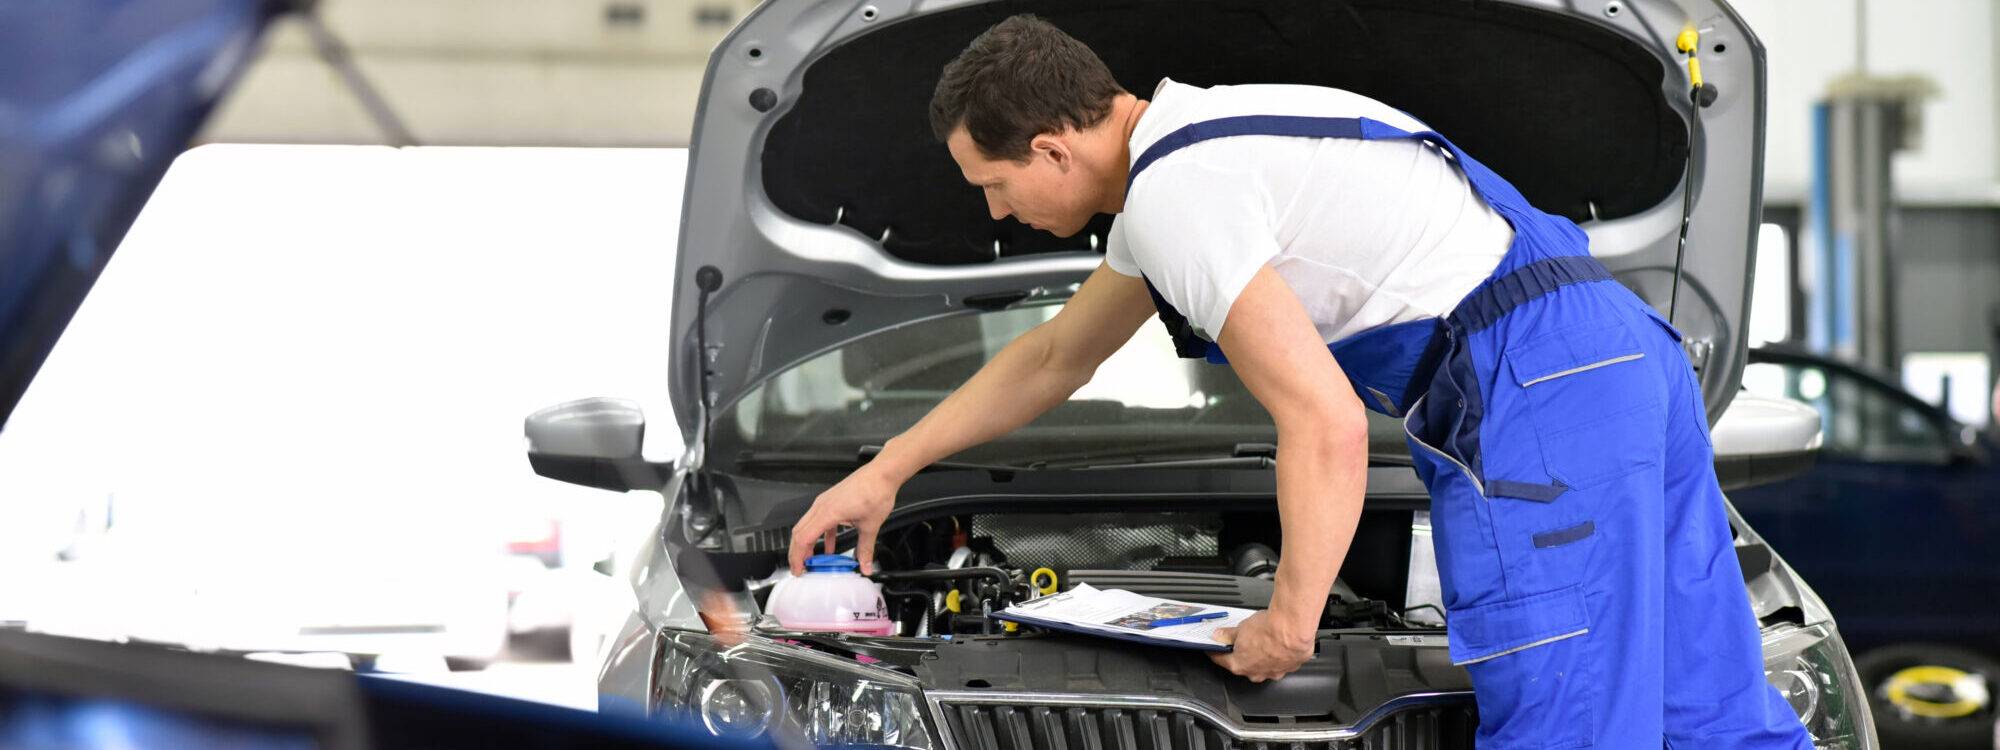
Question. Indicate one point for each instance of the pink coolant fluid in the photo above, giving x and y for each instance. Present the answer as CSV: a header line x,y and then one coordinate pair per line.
x,y
831,597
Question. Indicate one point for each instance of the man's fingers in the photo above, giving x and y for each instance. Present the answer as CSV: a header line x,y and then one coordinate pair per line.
x,y
1224,635
802,542
832,535
864,548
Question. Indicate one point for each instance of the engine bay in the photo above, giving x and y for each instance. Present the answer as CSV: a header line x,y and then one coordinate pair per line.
x,y
945,577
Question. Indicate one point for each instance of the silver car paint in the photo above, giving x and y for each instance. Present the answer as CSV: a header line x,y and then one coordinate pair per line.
x,y
779,272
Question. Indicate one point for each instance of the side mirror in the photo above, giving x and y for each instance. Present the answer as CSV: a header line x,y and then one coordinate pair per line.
x,y
1761,440
594,442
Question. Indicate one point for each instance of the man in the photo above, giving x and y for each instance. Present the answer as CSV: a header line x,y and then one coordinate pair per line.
x,y
1338,255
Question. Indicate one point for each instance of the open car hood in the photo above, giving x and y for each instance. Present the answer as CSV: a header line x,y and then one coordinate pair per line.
x,y
815,187
97,97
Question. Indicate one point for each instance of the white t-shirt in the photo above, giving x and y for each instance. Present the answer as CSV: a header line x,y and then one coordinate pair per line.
x,y
1367,233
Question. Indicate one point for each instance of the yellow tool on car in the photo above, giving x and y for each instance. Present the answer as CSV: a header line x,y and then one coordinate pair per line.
x,y
1689,43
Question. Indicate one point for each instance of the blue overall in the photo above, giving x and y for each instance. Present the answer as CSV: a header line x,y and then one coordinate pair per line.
x,y
1589,581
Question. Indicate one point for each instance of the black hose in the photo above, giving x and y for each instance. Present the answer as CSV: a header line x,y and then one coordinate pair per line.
x,y
1004,578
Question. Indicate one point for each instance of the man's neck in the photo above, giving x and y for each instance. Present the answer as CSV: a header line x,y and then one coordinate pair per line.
x,y
1126,113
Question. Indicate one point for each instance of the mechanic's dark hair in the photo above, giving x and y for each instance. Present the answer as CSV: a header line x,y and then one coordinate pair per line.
x,y
1019,79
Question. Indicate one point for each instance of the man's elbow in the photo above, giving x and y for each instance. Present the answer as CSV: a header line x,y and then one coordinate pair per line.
x,y
1337,431
1047,356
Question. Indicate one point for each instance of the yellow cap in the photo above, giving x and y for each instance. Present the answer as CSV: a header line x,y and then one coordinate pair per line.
x,y
1688,39
951,600
1048,589
1011,626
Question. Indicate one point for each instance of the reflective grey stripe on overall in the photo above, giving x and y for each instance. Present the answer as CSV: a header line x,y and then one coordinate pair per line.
x,y
1585,368
1523,647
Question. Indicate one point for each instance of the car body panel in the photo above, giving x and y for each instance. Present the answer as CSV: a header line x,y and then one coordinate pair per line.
x,y
1905,546
97,97
791,287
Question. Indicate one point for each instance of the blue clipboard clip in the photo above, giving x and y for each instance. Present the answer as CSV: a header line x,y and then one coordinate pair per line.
x,y
1185,620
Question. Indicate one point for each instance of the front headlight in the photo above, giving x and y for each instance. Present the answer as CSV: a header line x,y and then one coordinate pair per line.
x,y
758,687
1810,666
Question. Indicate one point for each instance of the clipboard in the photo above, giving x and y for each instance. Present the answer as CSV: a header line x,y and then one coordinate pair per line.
x,y
1117,614
1214,646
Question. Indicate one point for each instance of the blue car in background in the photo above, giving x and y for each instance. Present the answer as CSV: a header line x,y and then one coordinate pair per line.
x,y
1898,528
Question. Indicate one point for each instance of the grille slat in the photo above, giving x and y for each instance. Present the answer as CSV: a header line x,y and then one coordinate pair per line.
x,y
1118,730
982,726
979,727
1048,728
1013,724
1076,725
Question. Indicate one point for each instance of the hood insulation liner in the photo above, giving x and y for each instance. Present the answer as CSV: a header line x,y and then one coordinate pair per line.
x,y
1572,113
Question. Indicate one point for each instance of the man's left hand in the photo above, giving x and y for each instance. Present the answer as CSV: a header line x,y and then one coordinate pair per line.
x,y
1267,646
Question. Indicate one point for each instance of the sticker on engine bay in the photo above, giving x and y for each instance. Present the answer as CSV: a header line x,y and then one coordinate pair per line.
x,y
1416,640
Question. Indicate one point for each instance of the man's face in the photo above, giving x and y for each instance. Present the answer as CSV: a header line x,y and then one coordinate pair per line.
x,y
1047,192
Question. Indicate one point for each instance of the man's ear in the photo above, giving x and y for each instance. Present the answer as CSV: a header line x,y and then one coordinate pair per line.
x,y
1055,147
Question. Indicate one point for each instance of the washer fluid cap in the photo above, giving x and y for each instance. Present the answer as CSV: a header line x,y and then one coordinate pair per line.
x,y
831,564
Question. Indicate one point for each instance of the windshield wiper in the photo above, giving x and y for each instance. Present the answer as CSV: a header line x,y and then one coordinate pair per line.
x,y
1242,456
836,460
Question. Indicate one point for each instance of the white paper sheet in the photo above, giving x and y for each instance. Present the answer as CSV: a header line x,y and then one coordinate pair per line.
x,y
1123,613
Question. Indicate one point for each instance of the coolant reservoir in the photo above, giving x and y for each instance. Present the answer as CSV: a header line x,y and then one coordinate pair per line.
x,y
833,597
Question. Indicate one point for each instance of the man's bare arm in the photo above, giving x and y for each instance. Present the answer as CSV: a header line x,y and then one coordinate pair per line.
x,y
1322,439
1032,374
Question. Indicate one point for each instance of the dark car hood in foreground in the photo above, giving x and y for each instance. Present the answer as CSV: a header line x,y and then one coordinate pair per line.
x,y
97,97
816,189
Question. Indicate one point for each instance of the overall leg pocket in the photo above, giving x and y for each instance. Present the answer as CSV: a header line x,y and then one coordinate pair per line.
x,y
1588,410
1531,674
1595,405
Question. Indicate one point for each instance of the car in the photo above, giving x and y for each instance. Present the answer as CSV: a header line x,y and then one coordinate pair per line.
x,y
1896,524
836,279
307,588
97,97
558,594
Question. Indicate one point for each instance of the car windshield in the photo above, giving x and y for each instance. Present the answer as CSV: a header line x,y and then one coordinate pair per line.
x,y
1144,403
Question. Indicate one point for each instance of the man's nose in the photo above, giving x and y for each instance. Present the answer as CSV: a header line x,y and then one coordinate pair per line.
x,y
996,208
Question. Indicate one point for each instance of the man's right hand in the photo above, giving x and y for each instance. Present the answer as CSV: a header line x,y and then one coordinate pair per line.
x,y
862,500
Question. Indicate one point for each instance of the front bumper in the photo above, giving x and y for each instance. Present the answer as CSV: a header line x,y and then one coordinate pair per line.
x,y
984,720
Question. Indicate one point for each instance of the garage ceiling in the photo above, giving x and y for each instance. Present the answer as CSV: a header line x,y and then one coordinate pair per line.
x,y
487,72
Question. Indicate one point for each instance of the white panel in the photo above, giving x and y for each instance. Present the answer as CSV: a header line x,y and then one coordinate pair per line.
x,y
1812,42
1951,41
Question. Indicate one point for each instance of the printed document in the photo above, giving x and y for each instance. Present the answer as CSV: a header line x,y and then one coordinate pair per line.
x,y
1118,613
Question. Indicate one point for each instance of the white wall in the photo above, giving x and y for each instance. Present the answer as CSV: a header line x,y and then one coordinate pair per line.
x,y
1812,42
296,338
487,72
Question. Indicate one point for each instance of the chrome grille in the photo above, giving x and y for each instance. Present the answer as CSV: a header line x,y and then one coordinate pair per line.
x,y
1001,726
